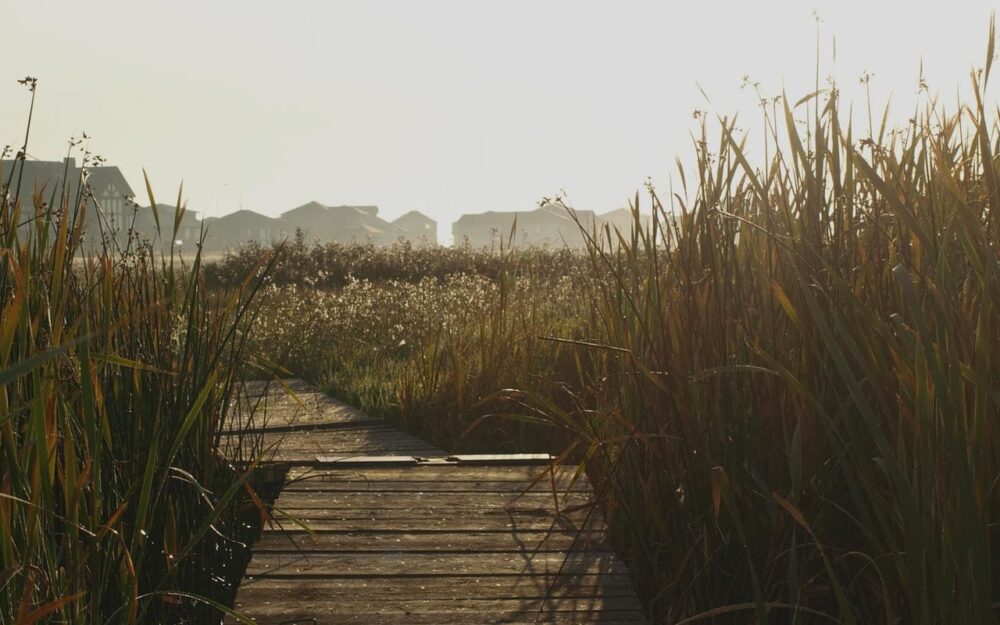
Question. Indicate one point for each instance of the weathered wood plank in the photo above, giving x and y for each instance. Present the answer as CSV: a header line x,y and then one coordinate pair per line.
x,y
433,473
326,605
444,587
435,510
302,615
331,604
405,564
326,602
427,524
432,499
424,486
395,542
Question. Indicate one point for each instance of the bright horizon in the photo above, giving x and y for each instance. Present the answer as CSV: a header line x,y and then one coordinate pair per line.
x,y
443,107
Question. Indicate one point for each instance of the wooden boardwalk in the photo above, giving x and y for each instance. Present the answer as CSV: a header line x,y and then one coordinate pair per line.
x,y
390,530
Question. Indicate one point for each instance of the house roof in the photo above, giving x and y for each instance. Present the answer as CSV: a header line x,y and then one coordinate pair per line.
x,y
307,210
48,176
99,176
245,218
324,220
552,209
414,217
317,210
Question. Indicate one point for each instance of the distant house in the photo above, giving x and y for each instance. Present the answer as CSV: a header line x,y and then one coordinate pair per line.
x,y
327,224
417,227
108,206
552,224
244,226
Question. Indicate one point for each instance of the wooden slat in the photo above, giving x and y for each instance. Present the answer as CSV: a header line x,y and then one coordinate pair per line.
x,y
442,587
434,473
395,542
444,486
299,614
432,510
433,499
405,564
325,602
437,524
456,610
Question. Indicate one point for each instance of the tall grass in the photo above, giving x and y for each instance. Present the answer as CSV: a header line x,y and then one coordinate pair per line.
x,y
799,419
120,499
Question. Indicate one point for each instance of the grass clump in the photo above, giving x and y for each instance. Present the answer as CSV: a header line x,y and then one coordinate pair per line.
x,y
799,420
121,499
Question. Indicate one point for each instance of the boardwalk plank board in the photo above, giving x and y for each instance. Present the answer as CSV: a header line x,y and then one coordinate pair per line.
x,y
485,487
441,587
442,486
433,473
485,524
496,517
325,601
394,500
433,542
558,541
305,615
406,564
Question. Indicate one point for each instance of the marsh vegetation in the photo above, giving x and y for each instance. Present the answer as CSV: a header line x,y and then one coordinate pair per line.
x,y
121,499
784,389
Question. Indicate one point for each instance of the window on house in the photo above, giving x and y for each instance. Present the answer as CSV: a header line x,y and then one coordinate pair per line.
x,y
113,205
113,211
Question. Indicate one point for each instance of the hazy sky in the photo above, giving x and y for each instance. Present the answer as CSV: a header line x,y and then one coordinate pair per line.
x,y
445,107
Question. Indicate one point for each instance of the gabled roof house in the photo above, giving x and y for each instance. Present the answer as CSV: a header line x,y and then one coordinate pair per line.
x,y
551,224
417,228
109,203
244,226
327,224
